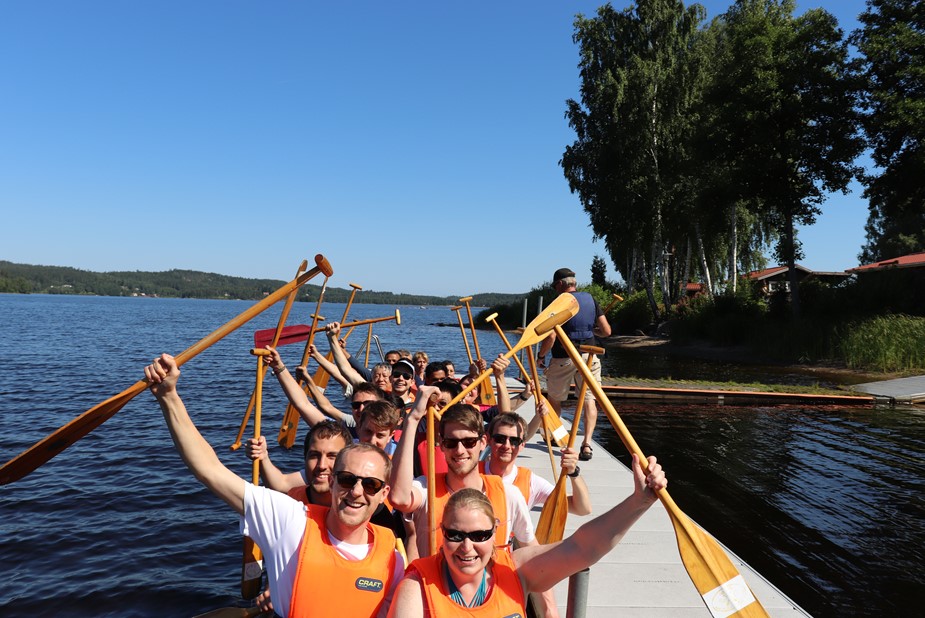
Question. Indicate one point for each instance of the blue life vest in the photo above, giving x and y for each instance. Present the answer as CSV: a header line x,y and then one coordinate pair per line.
x,y
580,328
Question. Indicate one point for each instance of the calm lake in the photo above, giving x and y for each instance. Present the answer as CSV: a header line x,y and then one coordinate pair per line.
x,y
827,503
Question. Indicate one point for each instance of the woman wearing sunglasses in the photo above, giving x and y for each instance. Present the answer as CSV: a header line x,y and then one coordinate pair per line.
x,y
470,577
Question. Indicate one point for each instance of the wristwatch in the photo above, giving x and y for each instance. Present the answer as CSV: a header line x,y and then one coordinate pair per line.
x,y
574,475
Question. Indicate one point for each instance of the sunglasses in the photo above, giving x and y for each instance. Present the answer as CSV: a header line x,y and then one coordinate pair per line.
x,y
401,374
348,480
501,439
450,444
356,405
458,536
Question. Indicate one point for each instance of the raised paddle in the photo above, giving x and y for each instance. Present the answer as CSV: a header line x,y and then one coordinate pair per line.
x,y
462,330
431,480
616,298
321,376
43,450
252,561
486,392
551,525
290,334
273,341
551,421
290,423
717,580
563,308
396,317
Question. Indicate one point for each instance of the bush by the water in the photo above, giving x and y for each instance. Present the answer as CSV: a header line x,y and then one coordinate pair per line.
x,y
885,343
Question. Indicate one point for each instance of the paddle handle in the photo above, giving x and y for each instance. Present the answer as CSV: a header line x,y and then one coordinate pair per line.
x,y
396,317
462,330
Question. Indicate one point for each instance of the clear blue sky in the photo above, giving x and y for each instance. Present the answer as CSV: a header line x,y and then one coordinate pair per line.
x,y
415,144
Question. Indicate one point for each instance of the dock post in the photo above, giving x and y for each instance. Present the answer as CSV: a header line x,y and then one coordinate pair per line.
x,y
578,594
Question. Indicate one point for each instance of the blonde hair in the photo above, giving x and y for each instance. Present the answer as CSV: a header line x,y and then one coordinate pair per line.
x,y
473,499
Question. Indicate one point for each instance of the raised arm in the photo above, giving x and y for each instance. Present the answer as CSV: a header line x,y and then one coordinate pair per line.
x,y
332,330
579,503
403,495
297,397
498,367
325,404
327,365
273,477
540,567
197,454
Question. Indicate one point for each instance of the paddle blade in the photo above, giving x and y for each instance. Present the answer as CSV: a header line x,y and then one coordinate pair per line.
x,y
551,526
251,570
717,580
553,425
289,334
43,450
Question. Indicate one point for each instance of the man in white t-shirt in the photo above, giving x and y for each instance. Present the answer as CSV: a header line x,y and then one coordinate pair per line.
x,y
309,552
506,439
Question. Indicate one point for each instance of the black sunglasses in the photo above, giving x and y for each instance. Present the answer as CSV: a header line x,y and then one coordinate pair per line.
x,y
348,480
401,374
501,439
450,444
356,405
476,536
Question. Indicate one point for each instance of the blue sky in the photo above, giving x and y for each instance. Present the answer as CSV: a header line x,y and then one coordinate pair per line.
x,y
415,144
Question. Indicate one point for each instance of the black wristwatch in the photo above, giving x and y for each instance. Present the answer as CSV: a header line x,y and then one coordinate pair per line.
x,y
574,475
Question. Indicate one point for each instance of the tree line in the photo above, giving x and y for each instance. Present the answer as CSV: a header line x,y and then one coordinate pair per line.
x,y
27,278
700,144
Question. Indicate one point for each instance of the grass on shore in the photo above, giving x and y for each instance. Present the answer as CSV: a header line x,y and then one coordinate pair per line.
x,y
728,386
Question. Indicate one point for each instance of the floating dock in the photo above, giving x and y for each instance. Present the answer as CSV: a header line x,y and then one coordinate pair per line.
x,y
902,390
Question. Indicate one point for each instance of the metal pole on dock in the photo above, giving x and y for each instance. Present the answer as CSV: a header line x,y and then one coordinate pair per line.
x,y
578,594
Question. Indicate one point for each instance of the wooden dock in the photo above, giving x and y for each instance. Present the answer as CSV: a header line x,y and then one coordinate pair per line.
x,y
643,577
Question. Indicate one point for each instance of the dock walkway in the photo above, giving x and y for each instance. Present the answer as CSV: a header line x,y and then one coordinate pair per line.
x,y
902,390
643,577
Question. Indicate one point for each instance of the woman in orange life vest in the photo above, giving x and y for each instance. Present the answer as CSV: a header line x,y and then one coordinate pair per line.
x,y
469,576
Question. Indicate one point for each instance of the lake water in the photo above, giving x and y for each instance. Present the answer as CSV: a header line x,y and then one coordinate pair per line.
x,y
825,502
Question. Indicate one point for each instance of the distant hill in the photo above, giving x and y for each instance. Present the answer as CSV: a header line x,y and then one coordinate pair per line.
x,y
30,279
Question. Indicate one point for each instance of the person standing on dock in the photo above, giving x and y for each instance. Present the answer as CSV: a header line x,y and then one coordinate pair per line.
x,y
589,323
310,552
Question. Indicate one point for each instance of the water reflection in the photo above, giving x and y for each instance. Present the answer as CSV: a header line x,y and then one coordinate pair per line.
x,y
826,502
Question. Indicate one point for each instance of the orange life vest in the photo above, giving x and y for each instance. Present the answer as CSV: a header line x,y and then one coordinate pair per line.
x,y
521,481
494,490
505,599
359,586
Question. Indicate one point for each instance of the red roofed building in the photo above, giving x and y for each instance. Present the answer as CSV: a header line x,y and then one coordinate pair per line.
x,y
772,279
913,260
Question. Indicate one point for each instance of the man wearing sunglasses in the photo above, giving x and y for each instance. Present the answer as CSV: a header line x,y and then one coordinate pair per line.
x,y
506,439
310,552
402,379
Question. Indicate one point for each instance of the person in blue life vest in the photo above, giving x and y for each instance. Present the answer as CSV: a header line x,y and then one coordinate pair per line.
x,y
588,324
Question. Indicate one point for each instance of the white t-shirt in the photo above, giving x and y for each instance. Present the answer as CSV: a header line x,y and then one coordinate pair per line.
x,y
540,488
276,523
519,523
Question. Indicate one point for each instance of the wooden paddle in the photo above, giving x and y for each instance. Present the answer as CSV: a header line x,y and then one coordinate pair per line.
x,y
616,299
551,421
321,376
369,341
252,561
290,424
551,526
43,450
462,330
396,317
486,392
563,308
274,341
431,480
720,585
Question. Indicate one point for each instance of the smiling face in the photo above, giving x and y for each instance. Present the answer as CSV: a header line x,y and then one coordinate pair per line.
x,y
373,434
319,462
461,460
467,559
504,452
353,506
358,402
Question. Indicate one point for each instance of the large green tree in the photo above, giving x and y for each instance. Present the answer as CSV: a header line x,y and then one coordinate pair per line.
x,y
785,128
891,43
627,164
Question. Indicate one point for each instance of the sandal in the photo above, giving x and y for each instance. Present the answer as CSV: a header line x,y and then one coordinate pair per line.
x,y
585,453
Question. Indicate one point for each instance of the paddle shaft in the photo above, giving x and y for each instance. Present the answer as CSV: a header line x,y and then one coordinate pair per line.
x,y
431,481
45,449
280,325
251,571
462,330
475,339
706,562
396,317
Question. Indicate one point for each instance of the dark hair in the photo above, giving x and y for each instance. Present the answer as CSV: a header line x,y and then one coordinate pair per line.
x,y
370,388
433,367
324,430
464,414
382,414
449,386
509,419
